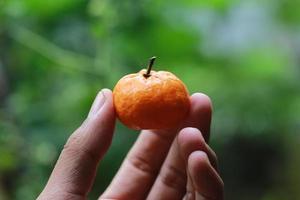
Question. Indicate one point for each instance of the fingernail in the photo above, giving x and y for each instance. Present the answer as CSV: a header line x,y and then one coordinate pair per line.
x,y
98,103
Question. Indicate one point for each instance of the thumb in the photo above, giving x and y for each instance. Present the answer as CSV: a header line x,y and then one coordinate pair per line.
x,y
76,167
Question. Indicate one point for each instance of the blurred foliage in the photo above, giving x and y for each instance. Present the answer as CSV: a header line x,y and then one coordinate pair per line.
x,y
56,55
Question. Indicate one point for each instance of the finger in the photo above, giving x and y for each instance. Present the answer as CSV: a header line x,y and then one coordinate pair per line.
x,y
171,181
190,140
143,162
201,117
205,180
75,169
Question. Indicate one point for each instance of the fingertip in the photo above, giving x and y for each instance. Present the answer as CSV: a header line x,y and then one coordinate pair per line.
x,y
198,161
190,139
108,107
107,92
100,123
200,114
97,104
205,179
190,134
201,102
105,117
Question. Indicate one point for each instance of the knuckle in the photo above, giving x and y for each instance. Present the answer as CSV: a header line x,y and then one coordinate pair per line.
x,y
142,164
173,177
74,149
61,195
72,143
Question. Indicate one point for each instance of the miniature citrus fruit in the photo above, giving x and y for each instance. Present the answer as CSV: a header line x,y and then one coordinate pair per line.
x,y
151,100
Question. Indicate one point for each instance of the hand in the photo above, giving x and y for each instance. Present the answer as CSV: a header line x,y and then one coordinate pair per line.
x,y
158,166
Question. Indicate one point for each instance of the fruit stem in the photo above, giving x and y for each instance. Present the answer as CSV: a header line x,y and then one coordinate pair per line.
x,y
151,62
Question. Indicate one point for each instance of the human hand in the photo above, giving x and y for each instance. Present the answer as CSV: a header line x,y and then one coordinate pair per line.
x,y
162,164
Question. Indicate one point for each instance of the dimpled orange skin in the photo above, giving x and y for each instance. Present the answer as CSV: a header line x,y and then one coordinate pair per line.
x,y
160,101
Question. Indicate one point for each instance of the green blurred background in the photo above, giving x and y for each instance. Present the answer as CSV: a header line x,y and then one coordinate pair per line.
x,y
56,55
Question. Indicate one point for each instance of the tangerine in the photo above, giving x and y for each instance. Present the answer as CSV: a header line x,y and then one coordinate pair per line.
x,y
151,100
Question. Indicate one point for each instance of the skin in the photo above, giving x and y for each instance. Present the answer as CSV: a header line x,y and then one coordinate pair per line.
x,y
162,164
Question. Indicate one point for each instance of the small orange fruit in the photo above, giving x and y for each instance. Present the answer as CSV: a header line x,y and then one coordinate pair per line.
x,y
151,100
